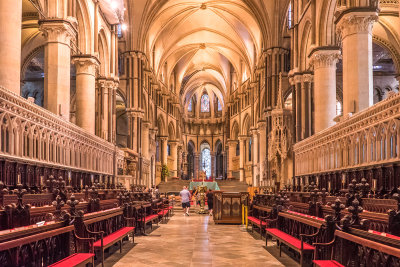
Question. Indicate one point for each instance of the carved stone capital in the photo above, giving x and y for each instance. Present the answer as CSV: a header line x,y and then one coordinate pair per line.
x,y
58,31
356,22
325,58
86,64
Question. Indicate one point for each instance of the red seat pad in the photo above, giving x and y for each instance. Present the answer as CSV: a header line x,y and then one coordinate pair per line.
x,y
170,207
150,217
162,212
327,263
73,260
289,239
113,236
256,221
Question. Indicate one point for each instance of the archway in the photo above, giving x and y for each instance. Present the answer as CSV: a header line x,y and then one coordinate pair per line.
x,y
190,160
219,158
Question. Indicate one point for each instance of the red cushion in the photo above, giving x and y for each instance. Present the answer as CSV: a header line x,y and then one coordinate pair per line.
x,y
162,212
170,207
112,237
256,221
73,260
150,217
289,239
327,263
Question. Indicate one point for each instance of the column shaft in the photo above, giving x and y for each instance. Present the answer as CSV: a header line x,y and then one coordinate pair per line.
x,y
242,142
356,31
57,67
86,91
324,62
10,44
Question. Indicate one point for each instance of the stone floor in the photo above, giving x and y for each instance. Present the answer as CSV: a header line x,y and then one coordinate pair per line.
x,y
197,241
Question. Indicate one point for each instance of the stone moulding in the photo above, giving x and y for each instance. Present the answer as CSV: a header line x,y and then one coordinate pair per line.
x,y
14,107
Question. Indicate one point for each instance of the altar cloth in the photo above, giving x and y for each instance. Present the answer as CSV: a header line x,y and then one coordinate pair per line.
x,y
210,185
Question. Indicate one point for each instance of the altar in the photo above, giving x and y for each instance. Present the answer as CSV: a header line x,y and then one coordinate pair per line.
x,y
210,185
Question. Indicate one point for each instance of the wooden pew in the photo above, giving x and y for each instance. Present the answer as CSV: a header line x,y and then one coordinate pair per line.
x,y
147,215
42,246
299,232
257,217
107,227
348,249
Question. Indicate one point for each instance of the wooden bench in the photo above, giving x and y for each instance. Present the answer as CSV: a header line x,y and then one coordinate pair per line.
x,y
148,216
348,249
43,246
258,216
116,228
298,232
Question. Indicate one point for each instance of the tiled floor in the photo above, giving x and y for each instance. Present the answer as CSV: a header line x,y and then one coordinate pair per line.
x,y
197,241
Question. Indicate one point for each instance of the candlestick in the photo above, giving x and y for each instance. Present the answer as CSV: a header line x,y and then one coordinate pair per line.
x,y
41,180
329,186
374,184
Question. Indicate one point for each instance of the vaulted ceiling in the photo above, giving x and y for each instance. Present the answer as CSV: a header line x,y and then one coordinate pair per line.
x,y
194,45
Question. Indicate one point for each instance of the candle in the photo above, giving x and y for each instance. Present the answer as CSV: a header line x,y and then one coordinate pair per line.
x,y
19,179
41,180
81,183
374,184
329,186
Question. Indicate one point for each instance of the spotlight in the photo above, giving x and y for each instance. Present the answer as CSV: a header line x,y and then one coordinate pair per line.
x,y
124,27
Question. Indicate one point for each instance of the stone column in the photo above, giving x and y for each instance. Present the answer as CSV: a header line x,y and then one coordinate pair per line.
x,y
10,44
231,154
57,65
174,154
86,91
355,29
164,150
254,151
262,130
213,164
145,139
242,142
196,165
324,60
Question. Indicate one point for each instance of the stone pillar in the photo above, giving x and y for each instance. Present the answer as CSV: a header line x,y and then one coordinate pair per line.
x,y
164,150
297,86
196,165
355,29
86,91
254,158
174,154
242,142
10,44
231,155
262,131
324,60
57,65
145,139
213,164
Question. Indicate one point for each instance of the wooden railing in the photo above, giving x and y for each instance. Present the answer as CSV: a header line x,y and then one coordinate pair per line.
x,y
34,135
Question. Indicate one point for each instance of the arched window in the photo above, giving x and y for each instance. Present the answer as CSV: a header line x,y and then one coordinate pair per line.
x,y
206,161
289,16
338,108
219,105
205,103
190,106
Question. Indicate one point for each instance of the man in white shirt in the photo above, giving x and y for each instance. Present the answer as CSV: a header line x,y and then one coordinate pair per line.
x,y
185,198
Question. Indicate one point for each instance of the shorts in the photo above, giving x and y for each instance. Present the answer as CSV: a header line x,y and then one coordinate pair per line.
x,y
186,205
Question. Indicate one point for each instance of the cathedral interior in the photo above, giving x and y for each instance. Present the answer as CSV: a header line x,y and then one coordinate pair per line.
x,y
289,110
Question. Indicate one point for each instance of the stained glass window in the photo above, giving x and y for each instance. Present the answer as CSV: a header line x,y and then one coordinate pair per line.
x,y
206,161
219,105
205,103
190,106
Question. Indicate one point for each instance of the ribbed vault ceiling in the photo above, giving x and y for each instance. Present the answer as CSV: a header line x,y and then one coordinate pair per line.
x,y
198,44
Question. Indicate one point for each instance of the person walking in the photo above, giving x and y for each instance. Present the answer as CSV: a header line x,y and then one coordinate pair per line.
x,y
210,201
185,199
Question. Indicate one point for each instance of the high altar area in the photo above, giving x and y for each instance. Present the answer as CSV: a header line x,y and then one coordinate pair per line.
x,y
288,110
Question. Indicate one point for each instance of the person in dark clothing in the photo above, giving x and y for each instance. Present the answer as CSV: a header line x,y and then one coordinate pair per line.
x,y
210,201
